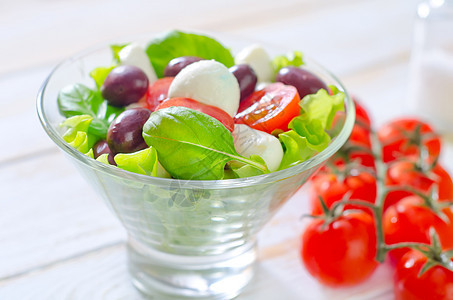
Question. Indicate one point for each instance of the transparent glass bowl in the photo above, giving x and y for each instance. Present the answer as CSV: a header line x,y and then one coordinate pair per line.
x,y
186,238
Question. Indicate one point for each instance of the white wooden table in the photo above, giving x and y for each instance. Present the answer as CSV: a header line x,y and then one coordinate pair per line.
x,y
57,238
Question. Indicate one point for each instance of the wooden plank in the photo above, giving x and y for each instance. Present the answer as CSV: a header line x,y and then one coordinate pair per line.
x,y
103,274
49,214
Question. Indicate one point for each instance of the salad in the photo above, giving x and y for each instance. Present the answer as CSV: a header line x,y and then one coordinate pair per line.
x,y
184,107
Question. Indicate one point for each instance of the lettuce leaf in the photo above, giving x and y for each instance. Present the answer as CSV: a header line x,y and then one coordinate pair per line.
x,y
309,130
77,134
291,59
176,44
142,162
99,74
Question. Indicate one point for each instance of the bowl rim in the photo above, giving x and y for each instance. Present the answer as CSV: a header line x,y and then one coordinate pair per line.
x,y
317,159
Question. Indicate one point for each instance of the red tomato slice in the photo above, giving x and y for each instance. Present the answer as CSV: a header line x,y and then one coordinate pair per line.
x,y
213,111
270,108
158,92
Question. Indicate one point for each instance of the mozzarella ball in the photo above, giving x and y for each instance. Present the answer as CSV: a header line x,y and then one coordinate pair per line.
x,y
248,141
259,60
208,82
135,55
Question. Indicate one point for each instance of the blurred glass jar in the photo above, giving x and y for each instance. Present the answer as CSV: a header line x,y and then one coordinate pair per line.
x,y
431,76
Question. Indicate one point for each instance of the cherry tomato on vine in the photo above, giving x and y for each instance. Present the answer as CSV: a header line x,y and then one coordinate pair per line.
x,y
435,284
213,111
400,138
406,173
333,188
270,108
158,92
343,252
361,115
410,220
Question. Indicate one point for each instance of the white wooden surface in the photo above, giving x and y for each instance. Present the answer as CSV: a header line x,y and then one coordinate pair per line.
x,y
57,238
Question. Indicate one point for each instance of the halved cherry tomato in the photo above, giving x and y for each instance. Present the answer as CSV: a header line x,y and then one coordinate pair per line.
x,y
410,220
399,138
270,108
341,253
213,111
333,188
158,92
435,284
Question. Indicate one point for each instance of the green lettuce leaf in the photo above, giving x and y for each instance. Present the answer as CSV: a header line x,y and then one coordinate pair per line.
x,y
176,44
99,74
295,149
322,106
191,144
141,162
116,50
292,59
103,158
309,130
77,134
77,99
242,170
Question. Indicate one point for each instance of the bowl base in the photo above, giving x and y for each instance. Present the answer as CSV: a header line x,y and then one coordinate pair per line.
x,y
169,276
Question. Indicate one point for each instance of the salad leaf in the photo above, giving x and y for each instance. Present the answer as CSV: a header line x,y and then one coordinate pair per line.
x,y
103,158
322,106
309,130
176,44
191,144
141,162
292,59
99,74
77,99
77,134
295,149
246,170
116,50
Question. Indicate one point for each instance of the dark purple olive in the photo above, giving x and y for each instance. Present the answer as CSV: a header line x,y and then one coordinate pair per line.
x,y
102,147
246,78
125,132
177,64
304,81
124,85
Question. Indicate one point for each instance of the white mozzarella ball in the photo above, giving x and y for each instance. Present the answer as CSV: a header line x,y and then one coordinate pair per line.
x,y
248,141
135,55
208,82
259,60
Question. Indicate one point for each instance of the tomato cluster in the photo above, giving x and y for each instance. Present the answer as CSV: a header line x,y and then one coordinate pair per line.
x,y
382,195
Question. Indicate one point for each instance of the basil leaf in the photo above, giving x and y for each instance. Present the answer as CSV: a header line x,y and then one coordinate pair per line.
x,y
77,99
176,44
116,50
191,144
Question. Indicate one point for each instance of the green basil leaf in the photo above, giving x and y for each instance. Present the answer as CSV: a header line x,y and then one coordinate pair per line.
x,y
77,99
116,50
246,170
191,144
176,44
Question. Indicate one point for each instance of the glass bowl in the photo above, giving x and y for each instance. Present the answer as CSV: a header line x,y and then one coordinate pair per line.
x,y
186,238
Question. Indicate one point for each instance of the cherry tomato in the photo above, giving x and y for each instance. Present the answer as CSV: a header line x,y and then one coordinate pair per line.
x,y
343,252
333,188
407,173
409,220
158,92
361,116
270,108
360,136
399,138
435,284
213,111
